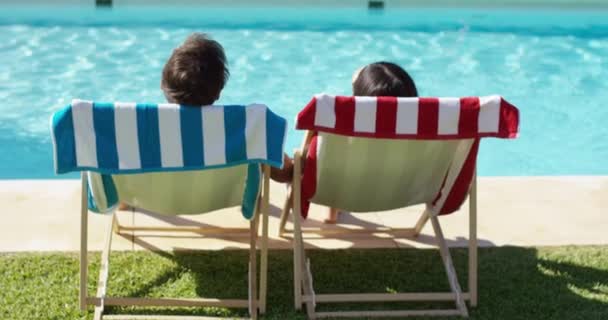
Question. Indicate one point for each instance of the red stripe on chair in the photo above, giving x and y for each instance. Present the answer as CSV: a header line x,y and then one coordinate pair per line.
x,y
428,117
469,115
306,117
509,119
386,117
309,176
345,114
462,185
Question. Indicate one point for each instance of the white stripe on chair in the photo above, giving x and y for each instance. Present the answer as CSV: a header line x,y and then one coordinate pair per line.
x,y
407,116
84,134
325,115
127,140
449,113
214,135
365,114
169,127
489,114
255,131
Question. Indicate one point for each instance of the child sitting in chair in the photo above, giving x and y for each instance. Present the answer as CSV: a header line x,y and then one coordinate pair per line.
x,y
375,80
195,75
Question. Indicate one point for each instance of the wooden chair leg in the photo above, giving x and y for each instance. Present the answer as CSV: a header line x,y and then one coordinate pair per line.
x,y
424,218
264,249
115,225
473,242
84,223
253,297
307,284
297,241
104,268
449,267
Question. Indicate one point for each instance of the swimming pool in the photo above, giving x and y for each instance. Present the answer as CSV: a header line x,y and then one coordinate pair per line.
x,y
552,64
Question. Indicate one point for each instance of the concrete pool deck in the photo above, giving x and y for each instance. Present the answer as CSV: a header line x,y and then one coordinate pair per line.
x,y
43,215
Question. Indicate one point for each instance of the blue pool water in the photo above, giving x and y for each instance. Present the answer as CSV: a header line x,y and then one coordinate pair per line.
x,y
552,64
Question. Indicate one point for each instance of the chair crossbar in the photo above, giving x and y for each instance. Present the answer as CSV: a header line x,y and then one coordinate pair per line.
x,y
160,317
168,302
391,313
384,297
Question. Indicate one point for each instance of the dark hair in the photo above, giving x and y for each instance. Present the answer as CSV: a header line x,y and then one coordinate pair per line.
x,y
196,72
384,79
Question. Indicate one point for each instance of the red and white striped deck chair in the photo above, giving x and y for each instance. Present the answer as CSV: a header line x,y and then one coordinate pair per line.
x,y
366,154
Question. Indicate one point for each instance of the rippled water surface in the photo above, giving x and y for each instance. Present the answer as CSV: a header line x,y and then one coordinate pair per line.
x,y
552,65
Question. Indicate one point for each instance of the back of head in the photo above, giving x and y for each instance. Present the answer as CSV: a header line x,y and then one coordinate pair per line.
x,y
196,72
384,79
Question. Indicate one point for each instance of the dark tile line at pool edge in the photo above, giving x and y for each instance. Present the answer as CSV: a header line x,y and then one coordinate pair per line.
x,y
388,4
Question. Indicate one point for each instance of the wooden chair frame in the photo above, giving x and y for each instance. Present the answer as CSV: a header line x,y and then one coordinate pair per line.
x,y
303,282
100,300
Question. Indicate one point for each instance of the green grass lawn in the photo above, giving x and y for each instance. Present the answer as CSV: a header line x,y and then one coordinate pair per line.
x,y
515,283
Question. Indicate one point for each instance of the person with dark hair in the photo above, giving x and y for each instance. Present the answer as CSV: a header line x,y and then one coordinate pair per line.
x,y
196,72
379,79
383,79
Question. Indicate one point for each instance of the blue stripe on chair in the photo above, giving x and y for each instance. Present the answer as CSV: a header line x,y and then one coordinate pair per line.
x,y
65,153
103,122
148,135
110,190
191,123
234,126
252,189
274,145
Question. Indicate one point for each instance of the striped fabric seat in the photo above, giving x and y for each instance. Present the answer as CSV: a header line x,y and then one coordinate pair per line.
x,y
124,138
347,124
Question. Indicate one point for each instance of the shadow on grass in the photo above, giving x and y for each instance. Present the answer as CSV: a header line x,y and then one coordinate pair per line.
x,y
514,283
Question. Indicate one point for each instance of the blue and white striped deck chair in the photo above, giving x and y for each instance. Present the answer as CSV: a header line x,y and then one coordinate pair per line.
x,y
171,159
